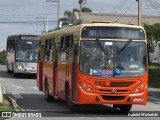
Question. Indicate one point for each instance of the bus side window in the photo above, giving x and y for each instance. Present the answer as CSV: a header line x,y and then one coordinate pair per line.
x,y
52,49
63,49
48,45
69,47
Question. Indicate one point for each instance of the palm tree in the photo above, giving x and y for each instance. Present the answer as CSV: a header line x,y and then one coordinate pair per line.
x,y
68,14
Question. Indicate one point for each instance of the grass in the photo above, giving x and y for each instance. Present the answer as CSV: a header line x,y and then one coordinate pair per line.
x,y
6,106
154,75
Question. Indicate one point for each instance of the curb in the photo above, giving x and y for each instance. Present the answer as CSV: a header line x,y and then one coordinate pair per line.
x,y
15,105
1,95
11,99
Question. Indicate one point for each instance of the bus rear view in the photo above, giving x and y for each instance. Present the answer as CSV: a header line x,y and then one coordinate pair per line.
x,y
22,54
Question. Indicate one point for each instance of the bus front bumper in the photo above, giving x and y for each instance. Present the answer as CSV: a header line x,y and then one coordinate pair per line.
x,y
99,98
26,70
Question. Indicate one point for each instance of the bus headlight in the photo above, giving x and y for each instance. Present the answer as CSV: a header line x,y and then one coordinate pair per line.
x,y
85,87
139,89
20,65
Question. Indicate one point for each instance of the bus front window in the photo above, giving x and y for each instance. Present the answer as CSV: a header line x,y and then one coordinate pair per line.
x,y
27,50
113,60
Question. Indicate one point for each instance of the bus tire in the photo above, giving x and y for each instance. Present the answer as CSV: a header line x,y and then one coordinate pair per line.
x,y
9,71
71,105
47,96
124,108
15,74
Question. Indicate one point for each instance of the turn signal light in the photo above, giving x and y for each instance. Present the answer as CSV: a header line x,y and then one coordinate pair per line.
x,y
139,89
86,87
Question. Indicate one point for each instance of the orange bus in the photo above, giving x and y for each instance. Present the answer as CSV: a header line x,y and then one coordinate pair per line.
x,y
97,63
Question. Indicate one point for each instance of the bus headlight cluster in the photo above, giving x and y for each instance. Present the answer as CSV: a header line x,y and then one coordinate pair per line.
x,y
85,87
20,65
139,89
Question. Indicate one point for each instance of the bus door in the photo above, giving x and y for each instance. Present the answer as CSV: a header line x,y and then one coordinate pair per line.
x,y
50,66
62,66
65,64
55,69
74,70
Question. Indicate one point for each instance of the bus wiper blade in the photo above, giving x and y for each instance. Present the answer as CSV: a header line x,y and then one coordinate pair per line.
x,y
101,46
128,42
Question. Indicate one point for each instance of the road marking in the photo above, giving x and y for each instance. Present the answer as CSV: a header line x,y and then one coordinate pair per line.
x,y
153,98
17,87
16,92
17,95
33,88
157,102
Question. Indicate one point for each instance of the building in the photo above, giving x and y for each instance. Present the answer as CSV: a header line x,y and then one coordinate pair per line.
x,y
125,19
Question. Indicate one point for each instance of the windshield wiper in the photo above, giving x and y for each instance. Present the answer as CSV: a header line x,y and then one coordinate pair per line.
x,y
128,42
101,46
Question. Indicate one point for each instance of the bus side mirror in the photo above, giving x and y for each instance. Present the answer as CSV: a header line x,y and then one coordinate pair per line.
x,y
151,47
76,50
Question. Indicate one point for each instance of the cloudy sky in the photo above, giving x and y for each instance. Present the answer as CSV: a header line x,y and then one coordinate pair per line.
x,y
20,16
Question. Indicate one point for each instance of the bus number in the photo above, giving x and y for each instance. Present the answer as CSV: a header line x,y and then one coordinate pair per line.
x,y
100,83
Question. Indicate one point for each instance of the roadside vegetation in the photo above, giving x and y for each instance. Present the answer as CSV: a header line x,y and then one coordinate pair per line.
x,y
154,75
2,58
6,106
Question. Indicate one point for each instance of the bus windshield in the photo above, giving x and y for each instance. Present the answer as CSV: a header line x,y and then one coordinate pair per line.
x,y
27,50
116,59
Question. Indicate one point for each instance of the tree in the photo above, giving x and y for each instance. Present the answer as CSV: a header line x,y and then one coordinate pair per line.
x,y
68,14
153,32
2,58
85,9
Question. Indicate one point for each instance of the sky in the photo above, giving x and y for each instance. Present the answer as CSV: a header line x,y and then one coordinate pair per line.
x,y
27,12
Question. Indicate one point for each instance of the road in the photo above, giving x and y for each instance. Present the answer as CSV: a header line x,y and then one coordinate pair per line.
x,y
25,91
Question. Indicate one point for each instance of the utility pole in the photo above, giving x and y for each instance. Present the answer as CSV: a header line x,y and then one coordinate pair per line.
x,y
58,1
139,12
45,24
80,3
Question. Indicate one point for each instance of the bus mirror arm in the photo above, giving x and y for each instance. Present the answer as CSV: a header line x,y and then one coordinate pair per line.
x,y
76,50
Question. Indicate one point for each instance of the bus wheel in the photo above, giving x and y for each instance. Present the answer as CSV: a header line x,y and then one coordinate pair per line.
x,y
71,105
15,74
123,108
9,71
47,96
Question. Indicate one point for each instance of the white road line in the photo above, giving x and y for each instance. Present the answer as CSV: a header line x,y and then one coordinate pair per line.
x,y
153,98
12,92
33,88
17,87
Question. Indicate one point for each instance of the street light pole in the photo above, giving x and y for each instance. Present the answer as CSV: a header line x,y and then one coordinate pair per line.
x,y
58,1
139,12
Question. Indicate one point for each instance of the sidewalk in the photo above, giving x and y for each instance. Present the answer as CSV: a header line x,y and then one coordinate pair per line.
x,y
1,95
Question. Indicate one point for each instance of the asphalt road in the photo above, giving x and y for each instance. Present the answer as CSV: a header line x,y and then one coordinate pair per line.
x,y
25,91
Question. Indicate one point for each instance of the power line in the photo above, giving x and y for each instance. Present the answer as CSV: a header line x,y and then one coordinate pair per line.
x,y
24,22
118,7
126,11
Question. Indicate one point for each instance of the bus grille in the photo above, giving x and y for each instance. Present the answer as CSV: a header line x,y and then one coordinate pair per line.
x,y
121,84
110,91
113,97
